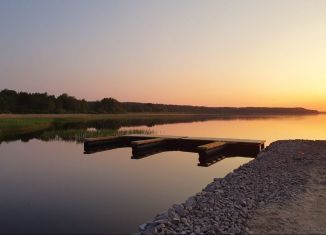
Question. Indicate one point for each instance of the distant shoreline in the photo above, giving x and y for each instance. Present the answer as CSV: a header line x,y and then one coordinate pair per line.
x,y
42,103
139,115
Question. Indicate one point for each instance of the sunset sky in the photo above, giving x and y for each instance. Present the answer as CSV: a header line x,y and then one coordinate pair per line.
x,y
212,53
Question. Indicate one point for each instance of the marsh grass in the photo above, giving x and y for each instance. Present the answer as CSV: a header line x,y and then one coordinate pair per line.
x,y
74,126
20,126
27,125
15,125
79,135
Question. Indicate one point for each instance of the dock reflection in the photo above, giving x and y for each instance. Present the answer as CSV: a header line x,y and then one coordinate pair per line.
x,y
204,160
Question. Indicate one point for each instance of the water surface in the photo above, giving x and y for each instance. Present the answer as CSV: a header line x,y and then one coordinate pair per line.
x,y
52,187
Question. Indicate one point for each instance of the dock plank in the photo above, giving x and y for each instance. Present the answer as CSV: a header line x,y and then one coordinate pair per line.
x,y
147,141
155,136
212,139
101,138
227,140
210,146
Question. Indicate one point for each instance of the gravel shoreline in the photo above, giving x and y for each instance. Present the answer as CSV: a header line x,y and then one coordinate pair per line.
x,y
278,175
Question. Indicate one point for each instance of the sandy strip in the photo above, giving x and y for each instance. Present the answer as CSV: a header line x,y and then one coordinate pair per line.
x,y
306,214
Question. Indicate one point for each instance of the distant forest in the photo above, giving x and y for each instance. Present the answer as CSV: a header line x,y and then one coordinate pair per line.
x,y
41,103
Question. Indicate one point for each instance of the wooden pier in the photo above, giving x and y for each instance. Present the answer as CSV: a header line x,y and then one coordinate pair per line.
x,y
210,150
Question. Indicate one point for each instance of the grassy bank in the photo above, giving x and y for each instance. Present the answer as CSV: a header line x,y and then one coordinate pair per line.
x,y
24,123
51,126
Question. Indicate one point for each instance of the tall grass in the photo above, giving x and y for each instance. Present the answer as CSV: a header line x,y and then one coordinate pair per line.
x,y
79,135
17,126
73,126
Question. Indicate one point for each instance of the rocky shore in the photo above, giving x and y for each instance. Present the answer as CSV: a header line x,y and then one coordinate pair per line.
x,y
280,176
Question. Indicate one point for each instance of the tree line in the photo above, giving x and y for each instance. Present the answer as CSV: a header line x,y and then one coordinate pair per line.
x,y
23,102
40,103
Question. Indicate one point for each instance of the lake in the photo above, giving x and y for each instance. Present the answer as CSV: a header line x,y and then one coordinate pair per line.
x,y
53,187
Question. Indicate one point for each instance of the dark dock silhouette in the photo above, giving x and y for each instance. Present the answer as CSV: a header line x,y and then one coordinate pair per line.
x,y
210,150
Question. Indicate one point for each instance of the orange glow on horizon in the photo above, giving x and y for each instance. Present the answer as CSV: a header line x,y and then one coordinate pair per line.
x,y
218,53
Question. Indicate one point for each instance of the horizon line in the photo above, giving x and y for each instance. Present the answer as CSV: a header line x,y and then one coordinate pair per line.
x,y
203,106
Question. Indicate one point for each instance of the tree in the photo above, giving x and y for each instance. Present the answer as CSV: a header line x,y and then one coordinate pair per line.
x,y
2,105
9,100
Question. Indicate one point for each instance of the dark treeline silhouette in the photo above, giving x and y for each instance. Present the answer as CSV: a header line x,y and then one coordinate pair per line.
x,y
23,102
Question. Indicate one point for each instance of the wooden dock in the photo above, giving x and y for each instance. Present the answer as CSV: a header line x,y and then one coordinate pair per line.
x,y
210,150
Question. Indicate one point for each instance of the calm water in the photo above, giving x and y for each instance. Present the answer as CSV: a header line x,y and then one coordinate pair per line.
x,y
53,187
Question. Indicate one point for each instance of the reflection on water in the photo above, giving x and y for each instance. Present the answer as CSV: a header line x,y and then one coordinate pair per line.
x,y
268,128
78,129
256,127
53,187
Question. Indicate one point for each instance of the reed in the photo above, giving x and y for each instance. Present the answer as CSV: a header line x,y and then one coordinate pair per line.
x,y
79,135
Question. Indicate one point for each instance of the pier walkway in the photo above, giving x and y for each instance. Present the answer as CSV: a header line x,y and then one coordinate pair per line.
x,y
210,150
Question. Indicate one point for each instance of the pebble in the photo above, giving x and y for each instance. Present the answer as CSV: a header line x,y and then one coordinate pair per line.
x,y
225,204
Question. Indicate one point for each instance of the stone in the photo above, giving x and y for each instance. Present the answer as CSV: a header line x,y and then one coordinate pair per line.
x,y
176,220
211,232
171,213
162,216
184,221
197,229
210,187
179,209
162,221
142,227
243,203
191,202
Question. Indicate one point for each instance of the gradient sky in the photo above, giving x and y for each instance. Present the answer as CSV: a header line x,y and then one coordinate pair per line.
x,y
213,53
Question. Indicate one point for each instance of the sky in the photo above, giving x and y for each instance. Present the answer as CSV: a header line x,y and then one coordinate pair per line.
x,y
213,53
